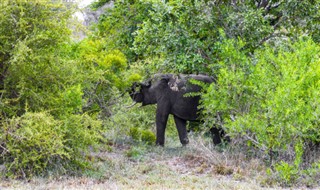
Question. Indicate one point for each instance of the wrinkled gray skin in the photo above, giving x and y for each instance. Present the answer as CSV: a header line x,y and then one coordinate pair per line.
x,y
167,91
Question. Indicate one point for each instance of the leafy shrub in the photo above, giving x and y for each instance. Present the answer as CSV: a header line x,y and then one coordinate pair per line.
x,y
36,142
145,136
80,132
97,4
148,137
135,133
287,173
43,89
31,143
270,100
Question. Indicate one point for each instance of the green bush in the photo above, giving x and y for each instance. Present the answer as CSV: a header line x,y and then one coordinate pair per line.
x,y
287,173
36,142
135,133
148,137
270,100
32,142
145,136
44,87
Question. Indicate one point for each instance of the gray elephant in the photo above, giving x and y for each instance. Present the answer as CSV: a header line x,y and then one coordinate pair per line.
x,y
168,92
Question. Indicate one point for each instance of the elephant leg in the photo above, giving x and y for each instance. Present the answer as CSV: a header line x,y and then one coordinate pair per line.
x,y
216,137
182,130
161,123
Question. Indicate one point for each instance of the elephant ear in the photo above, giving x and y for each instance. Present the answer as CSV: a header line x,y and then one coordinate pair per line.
x,y
165,79
148,84
163,82
135,92
135,88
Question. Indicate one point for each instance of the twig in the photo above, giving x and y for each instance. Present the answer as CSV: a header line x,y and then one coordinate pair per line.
x,y
262,147
4,148
130,106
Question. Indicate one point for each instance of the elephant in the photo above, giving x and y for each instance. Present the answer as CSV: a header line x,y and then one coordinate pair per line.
x,y
169,91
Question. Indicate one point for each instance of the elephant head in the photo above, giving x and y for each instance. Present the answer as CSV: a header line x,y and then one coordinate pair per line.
x,y
142,93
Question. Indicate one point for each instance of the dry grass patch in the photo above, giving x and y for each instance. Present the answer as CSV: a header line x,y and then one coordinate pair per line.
x,y
197,166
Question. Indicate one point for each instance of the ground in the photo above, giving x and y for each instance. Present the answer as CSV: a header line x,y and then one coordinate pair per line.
x,y
150,167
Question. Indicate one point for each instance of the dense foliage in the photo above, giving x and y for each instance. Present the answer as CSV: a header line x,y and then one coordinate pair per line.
x,y
50,88
270,104
179,35
59,96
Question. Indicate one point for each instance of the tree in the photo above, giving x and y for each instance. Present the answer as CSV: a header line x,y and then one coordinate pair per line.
x,y
117,26
42,85
30,35
179,35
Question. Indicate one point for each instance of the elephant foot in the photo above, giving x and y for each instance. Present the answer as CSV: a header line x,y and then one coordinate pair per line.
x,y
184,142
159,143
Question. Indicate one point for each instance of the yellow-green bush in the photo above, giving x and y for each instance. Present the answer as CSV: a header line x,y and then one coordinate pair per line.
x,y
44,85
145,136
148,137
36,142
31,142
271,101
135,133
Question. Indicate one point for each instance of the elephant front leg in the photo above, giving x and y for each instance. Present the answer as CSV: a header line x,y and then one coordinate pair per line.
x,y
182,130
161,122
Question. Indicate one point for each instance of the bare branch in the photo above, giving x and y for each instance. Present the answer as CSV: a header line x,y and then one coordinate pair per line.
x,y
130,106
4,148
261,146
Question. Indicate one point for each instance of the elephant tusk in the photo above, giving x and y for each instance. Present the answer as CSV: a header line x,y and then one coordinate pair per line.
x,y
134,103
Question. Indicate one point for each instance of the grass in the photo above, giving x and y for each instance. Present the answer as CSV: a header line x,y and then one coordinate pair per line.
x,y
127,166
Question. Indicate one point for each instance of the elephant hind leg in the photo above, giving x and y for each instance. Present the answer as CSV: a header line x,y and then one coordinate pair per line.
x,y
218,135
182,130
